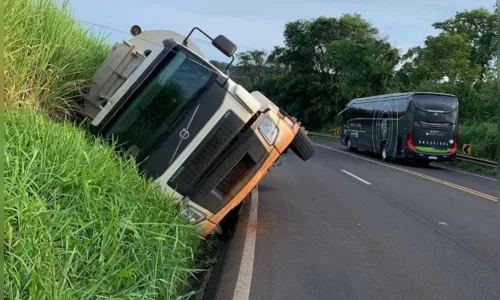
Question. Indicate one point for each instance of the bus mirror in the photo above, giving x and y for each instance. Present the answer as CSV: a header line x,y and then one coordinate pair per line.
x,y
224,45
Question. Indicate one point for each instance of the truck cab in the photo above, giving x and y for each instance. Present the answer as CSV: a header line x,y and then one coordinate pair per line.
x,y
202,137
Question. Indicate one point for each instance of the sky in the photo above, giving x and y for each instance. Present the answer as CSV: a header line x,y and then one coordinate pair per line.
x,y
259,24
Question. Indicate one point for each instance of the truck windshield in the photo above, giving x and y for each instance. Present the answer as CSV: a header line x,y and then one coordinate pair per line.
x,y
165,94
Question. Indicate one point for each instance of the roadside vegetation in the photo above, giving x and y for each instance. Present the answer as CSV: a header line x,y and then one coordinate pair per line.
x,y
326,62
49,57
79,222
479,169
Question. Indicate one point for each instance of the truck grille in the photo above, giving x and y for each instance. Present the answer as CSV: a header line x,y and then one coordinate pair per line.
x,y
195,167
217,142
241,161
236,174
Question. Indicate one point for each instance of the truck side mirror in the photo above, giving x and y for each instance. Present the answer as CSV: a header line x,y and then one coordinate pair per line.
x,y
224,45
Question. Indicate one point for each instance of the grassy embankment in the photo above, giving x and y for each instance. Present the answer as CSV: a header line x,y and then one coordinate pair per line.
x,y
79,223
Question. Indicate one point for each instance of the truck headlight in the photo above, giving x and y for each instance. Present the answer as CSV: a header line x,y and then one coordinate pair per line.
x,y
193,215
269,130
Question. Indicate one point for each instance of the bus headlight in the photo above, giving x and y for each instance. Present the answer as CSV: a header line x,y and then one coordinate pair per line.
x,y
193,215
269,130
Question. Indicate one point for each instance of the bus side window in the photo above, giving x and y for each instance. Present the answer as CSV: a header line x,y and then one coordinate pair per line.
x,y
402,105
347,114
410,111
353,112
371,109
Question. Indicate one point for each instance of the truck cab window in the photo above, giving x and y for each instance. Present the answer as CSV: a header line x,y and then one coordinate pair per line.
x,y
167,92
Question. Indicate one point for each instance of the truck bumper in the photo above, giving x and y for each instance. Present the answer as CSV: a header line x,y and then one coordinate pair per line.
x,y
287,132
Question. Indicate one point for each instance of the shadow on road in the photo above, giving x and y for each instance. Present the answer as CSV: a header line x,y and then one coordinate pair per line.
x,y
265,188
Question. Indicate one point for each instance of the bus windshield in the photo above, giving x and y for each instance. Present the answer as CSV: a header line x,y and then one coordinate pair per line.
x,y
432,108
160,100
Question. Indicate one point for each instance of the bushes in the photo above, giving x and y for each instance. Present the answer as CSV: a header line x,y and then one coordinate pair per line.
x,y
482,137
49,56
81,223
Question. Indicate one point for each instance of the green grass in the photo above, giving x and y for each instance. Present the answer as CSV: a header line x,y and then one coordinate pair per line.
x,y
81,223
49,56
325,138
464,165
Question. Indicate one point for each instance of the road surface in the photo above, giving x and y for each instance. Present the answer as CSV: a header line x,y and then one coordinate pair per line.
x,y
341,227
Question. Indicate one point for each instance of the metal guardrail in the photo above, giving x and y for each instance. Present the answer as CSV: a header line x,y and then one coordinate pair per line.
x,y
470,159
479,161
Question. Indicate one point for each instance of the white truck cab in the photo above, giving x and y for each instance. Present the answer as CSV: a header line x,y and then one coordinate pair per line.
x,y
192,129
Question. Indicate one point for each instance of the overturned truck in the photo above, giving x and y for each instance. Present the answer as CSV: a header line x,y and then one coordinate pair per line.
x,y
204,138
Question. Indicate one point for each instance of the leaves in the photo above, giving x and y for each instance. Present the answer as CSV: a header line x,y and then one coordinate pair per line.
x,y
326,62
323,64
478,27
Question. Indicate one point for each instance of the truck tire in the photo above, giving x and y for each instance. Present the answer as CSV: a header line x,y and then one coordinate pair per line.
x,y
302,146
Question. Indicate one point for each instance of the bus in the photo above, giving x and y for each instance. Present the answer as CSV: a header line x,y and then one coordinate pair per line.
x,y
419,126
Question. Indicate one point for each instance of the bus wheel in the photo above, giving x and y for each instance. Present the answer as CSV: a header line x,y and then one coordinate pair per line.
x,y
349,145
383,153
302,146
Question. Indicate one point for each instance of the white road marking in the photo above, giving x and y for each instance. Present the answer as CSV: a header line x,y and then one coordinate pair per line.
x,y
244,281
443,223
438,166
354,176
472,174
437,180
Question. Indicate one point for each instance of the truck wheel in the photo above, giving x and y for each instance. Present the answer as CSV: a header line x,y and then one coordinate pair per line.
x,y
302,146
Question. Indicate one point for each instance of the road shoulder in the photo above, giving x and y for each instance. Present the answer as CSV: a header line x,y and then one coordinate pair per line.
x,y
224,276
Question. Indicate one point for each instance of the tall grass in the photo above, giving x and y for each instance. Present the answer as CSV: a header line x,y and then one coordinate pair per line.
x,y
49,56
80,223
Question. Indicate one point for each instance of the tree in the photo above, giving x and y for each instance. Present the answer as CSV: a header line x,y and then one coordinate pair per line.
x,y
458,61
445,57
326,62
479,28
254,64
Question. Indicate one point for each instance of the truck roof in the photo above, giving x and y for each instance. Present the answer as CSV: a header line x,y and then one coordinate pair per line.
x,y
153,40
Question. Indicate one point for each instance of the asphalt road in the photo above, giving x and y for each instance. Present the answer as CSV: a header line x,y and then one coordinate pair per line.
x,y
388,234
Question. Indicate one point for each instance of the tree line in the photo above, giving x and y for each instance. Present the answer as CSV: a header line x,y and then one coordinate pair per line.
x,y
326,62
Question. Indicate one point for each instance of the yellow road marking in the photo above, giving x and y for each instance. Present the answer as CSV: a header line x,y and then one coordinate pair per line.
x,y
452,185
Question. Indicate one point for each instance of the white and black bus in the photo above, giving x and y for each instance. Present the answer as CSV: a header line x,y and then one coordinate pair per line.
x,y
418,126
